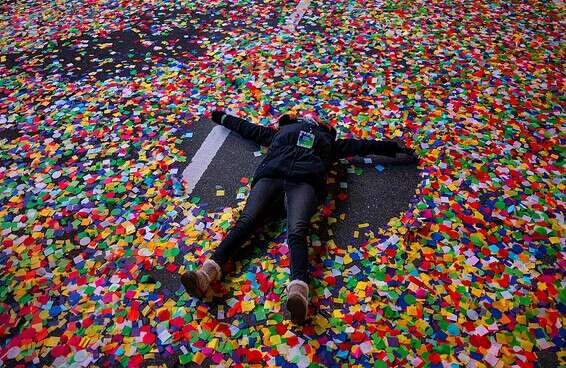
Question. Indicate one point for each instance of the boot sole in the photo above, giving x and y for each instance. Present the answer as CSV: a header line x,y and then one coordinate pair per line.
x,y
190,282
297,309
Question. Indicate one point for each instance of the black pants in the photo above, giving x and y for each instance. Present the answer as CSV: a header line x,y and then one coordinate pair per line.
x,y
301,203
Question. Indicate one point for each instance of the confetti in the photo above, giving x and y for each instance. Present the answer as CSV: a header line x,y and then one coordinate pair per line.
x,y
95,220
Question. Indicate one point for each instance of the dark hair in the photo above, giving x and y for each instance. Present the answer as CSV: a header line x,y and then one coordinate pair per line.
x,y
286,119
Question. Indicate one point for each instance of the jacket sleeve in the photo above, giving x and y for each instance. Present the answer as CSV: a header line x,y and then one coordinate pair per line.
x,y
259,134
359,147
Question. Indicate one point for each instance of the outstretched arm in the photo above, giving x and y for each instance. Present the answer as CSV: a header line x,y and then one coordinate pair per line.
x,y
259,134
359,147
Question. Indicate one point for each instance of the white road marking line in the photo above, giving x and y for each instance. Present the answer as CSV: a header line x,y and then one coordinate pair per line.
x,y
294,19
202,158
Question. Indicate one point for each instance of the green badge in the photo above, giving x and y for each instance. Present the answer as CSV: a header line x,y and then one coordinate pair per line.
x,y
306,139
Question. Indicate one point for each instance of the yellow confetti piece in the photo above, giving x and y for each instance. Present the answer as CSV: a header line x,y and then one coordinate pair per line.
x,y
51,341
213,344
129,227
477,292
275,340
248,306
84,342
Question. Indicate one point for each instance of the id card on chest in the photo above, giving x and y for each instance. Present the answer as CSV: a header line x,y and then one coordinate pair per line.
x,y
305,140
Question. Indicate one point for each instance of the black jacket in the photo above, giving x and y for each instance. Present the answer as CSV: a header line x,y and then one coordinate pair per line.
x,y
285,159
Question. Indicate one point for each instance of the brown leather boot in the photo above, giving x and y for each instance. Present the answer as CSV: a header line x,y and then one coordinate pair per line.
x,y
197,282
298,301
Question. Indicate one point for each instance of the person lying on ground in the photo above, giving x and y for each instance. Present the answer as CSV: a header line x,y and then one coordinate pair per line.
x,y
300,153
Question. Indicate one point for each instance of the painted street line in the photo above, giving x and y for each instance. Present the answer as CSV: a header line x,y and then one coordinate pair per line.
x,y
202,158
297,15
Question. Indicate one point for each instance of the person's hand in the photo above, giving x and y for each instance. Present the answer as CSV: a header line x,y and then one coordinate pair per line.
x,y
217,116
